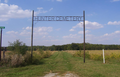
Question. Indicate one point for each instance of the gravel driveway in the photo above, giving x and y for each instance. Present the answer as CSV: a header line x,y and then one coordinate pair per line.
x,y
64,75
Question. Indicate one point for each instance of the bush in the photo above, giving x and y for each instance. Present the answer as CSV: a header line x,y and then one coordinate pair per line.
x,y
27,58
87,55
18,47
17,60
77,54
36,58
81,54
4,62
41,51
47,54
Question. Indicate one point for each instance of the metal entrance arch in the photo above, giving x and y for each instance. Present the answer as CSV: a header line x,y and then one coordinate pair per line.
x,y
58,18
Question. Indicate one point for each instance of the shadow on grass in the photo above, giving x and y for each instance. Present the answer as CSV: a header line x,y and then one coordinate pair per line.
x,y
41,62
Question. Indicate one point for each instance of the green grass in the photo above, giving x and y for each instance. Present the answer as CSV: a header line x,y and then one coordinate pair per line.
x,y
61,62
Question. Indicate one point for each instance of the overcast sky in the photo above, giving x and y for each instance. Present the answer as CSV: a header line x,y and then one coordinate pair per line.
x,y
102,21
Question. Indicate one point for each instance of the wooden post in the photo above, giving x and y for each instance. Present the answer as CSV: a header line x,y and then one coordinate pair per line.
x,y
84,33
4,52
103,56
32,36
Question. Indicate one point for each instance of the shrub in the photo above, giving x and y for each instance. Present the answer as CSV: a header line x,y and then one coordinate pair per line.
x,y
41,51
18,47
81,54
78,54
36,58
27,58
47,54
17,60
4,62
87,55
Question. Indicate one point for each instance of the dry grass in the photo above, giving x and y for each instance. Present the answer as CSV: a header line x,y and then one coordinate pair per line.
x,y
98,54
52,52
13,59
60,62
107,52
9,53
91,52
71,51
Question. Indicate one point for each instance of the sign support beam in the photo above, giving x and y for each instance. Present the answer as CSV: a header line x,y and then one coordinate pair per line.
x,y
32,36
58,18
84,33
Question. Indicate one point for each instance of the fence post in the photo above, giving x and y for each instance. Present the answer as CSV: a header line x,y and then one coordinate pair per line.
x,y
4,52
103,56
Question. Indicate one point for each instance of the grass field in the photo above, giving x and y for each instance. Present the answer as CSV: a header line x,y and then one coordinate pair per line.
x,y
98,54
8,53
61,62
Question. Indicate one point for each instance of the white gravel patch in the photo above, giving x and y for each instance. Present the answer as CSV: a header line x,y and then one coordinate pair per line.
x,y
51,75
64,75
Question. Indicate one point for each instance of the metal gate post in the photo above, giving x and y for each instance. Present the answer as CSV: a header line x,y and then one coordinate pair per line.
x,y
84,33
32,35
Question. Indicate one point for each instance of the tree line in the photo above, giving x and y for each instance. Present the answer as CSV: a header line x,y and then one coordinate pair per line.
x,y
73,46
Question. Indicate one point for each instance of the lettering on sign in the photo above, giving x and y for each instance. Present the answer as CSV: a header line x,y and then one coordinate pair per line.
x,y
58,18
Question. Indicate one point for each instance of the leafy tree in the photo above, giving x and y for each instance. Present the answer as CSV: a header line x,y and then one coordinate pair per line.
x,y
18,47
74,46
52,48
69,47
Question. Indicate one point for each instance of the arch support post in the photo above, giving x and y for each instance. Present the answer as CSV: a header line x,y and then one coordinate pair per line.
x,y
84,33
32,35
